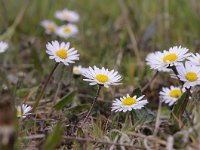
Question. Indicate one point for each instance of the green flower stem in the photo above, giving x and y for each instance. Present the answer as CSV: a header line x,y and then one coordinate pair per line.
x,y
90,110
42,88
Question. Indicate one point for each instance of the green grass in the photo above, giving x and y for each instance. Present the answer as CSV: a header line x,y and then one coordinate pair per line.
x,y
103,40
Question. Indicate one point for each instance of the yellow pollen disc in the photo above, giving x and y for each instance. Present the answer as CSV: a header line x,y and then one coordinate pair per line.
x,y
67,30
170,58
175,93
62,53
102,78
129,101
76,71
19,113
51,28
191,76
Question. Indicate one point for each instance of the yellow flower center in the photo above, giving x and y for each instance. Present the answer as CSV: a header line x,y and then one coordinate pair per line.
x,y
170,58
129,101
62,53
19,113
51,28
175,93
102,78
67,30
76,71
191,76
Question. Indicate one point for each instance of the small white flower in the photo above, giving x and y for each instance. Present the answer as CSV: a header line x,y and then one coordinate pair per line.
x,y
67,15
50,26
77,70
127,103
102,76
162,60
67,31
189,74
171,95
195,59
62,52
22,111
3,46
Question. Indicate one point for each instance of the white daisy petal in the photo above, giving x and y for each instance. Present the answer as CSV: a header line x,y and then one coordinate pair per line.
x,y
49,26
127,103
189,74
67,15
3,46
101,76
171,95
162,60
23,111
60,52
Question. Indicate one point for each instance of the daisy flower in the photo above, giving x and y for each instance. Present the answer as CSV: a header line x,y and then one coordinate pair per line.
x,y
195,59
102,76
162,60
128,103
67,15
189,74
62,52
67,31
22,111
171,95
50,26
3,46
77,70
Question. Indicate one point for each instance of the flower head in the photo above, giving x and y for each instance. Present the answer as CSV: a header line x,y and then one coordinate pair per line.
x,y
77,70
162,60
128,103
195,59
22,111
171,95
3,46
50,26
62,52
102,76
67,15
67,31
189,74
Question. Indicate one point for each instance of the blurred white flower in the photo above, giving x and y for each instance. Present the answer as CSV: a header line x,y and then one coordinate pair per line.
x,y
102,76
22,111
66,31
67,15
127,103
162,60
49,26
189,74
171,95
195,59
62,52
3,46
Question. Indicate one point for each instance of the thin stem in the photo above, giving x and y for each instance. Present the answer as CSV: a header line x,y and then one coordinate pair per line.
x,y
94,101
42,87
176,73
150,82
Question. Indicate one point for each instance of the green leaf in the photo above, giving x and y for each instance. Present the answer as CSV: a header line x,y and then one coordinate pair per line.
x,y
179,107
64,101
54,138
137,92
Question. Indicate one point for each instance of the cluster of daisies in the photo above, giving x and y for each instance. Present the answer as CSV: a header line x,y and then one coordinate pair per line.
x,y
65,31
65,54
182,65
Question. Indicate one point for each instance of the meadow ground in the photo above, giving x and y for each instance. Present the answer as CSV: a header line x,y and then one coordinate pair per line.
x,y
115,34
